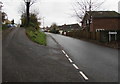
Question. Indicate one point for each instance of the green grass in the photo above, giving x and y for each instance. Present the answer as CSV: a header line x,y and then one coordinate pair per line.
x,y
37,36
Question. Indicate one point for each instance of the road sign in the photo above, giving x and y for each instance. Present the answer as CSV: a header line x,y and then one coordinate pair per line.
x,y
112,32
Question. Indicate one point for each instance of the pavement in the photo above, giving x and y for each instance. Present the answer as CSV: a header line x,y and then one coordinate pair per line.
x,y
26,61
99,63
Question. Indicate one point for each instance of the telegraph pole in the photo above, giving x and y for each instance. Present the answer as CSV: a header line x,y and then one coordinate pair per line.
x,y
43,21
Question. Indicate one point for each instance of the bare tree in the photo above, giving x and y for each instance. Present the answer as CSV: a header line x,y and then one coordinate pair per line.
x,y
30,18
28,3
22,9
31,2
84,6
35,11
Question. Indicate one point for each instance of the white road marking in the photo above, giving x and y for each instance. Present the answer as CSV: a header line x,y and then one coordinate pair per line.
x,y
63,51
66,55
75,66
84,76
70,60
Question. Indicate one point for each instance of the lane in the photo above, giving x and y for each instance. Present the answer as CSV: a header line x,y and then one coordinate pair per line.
x,y
26,61
98,62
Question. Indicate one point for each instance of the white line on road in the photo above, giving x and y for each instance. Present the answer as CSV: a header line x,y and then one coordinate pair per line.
x,y
84,76
70,60
75,66
63,51
66,55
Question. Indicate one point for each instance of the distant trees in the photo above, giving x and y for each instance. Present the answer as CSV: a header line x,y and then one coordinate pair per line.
x,y
54,28
22,8
31,2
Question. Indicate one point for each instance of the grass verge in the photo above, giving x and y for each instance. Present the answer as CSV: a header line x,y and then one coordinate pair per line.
x,y
37,36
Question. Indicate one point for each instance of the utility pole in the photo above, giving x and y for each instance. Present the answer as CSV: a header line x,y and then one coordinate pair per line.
x,y
43,21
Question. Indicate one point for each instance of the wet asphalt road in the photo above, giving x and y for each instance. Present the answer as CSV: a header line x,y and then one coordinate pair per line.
x,y
26,61
99,63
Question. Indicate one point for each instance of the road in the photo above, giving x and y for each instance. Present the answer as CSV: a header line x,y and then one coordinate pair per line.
x,y
26,61
99,63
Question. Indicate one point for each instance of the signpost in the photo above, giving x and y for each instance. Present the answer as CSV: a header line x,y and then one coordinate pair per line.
x,y
112,33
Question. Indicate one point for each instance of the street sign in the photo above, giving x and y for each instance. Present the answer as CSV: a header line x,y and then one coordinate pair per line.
x,y
112,32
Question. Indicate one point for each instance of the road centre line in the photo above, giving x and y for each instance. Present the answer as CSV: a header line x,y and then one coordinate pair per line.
x,y
75,66
85,77
66,55
63,51
70,60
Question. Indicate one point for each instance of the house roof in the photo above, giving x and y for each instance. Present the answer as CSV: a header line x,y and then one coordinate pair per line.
x,y
7,21
105,14
101,14
69,26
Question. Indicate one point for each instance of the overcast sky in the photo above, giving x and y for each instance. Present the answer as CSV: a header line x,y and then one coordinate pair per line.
x,y
58,11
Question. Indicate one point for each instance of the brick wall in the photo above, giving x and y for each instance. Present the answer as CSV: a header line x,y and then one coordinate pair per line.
x,y
107,24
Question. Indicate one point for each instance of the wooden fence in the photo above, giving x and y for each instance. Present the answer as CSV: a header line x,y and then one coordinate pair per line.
x,y
102,36
84,34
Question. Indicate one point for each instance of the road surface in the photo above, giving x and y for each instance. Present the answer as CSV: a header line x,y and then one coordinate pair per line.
x,y
99,63
26,61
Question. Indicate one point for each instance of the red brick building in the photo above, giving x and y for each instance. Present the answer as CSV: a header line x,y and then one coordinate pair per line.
x,y
101,20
